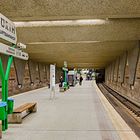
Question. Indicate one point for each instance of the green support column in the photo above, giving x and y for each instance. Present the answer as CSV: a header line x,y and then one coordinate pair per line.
x,y
10,60
3,89
65,77
4,79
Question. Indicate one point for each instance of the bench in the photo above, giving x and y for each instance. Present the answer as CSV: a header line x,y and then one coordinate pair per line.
x,y
17,116
0,129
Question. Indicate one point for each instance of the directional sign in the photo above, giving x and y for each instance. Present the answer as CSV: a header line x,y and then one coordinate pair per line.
x,y
65,69
7,30
5,49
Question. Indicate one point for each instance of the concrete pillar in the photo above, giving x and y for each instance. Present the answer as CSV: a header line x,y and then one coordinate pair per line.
x,y
133,56
48,73
116,69
122,66
26,78
42,72
34,71
112,71
109,71
20,69
4,61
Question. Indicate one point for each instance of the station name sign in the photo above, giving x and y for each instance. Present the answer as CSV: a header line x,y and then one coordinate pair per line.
x,y
7,30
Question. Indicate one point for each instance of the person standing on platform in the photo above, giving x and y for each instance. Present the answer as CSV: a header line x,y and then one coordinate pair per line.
x,y
80,80
61,81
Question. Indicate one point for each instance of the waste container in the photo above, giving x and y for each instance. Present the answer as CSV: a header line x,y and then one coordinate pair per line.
x,y
10,105
3,106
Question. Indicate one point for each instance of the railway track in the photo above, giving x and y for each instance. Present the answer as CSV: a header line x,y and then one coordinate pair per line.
x,y
129,111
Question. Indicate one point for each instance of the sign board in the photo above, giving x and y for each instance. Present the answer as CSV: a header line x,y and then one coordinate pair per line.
x,y
52,76
5,49
65,63
7,30
71,72
65,69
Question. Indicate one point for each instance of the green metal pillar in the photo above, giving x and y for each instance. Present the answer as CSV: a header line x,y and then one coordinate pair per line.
x,y
65,78
65,74
3,89
4,79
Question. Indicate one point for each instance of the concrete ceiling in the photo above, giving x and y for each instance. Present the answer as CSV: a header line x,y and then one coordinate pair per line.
x,y
69,30
32,10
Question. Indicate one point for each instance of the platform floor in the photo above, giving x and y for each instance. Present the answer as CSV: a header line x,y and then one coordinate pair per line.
x,y
81,113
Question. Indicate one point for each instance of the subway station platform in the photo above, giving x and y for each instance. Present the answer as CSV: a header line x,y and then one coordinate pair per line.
x,y
81,113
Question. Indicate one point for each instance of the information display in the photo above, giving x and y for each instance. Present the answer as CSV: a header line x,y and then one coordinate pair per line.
x,y
5,49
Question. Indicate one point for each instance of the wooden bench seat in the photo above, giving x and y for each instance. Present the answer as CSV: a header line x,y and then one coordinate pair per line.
x,y
61,89
0,129
17,116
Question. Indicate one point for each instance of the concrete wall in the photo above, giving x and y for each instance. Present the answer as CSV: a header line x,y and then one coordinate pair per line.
x,y
123,74
28,75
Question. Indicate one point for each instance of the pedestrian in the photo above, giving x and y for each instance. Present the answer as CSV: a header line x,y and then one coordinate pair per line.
x,y
80,80
61,81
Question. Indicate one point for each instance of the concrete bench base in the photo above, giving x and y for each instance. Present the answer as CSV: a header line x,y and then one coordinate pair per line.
x,y
17,116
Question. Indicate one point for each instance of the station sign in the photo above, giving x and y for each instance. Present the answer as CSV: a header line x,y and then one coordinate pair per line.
x,y
7,30
5,49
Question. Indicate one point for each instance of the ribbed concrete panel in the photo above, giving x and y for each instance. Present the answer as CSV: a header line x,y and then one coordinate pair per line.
x,y
34,71
106,74
112,71
109,73
25,10
48,72
116,70
42,72
4,59
133,57
20,69
83,30
95,54
122,66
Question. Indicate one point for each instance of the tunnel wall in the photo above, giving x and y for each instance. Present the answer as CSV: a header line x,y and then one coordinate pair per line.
x,y
123,74
28,75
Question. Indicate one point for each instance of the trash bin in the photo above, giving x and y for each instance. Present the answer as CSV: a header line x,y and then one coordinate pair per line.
x,y
3,110
10,105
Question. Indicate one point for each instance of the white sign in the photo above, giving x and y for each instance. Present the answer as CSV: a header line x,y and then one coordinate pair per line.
x,y
52,76
7,30
5,49
65,63
65,69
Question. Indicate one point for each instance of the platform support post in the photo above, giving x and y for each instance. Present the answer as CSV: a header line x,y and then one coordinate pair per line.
x,y
4,79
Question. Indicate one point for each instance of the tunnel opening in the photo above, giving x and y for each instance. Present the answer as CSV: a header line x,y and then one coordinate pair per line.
x,y
100,75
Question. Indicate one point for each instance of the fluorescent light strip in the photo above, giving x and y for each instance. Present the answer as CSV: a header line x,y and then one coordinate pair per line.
x,y
73,42
61,23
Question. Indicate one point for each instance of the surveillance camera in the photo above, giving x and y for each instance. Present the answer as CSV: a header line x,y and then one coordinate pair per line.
x,y
21,46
